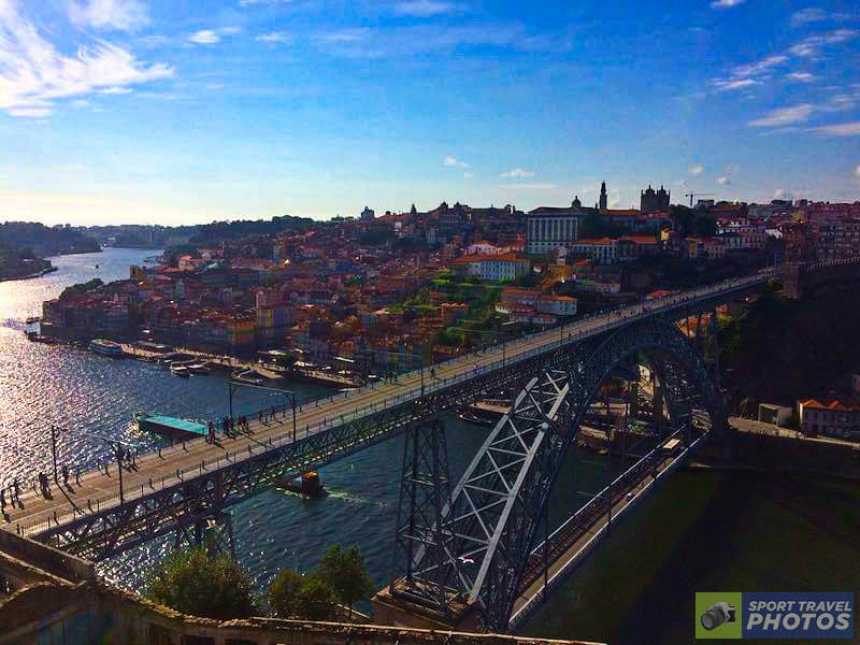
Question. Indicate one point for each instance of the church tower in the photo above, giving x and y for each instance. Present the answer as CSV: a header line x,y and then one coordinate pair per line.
x,y
603,200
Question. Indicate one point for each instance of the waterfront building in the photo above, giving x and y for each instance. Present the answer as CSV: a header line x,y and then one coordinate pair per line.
x,y
829,417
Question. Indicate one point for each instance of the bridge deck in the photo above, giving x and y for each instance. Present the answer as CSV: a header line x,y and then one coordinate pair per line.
x,y
98,491
574,540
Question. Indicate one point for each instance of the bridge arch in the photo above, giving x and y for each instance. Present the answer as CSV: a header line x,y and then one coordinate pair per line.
x,y
490,526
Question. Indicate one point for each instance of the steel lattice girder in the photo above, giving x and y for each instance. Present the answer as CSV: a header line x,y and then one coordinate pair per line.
x,y
497,505
103,533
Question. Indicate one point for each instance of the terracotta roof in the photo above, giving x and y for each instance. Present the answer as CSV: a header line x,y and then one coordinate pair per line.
x,y
505,257
595,240
833,404
630,212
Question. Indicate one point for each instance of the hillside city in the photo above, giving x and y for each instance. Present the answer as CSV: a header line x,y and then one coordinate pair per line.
x,y
358,298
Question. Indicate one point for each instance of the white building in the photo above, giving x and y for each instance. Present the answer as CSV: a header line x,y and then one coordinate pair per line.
x,y
548,229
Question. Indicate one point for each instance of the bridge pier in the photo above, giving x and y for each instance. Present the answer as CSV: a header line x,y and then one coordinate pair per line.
x,y
214,533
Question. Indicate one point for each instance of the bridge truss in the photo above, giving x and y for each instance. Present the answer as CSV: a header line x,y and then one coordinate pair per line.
x,y
204,494
476,552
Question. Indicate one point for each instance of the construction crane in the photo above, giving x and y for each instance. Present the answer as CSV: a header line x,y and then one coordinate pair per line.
x,y
691,195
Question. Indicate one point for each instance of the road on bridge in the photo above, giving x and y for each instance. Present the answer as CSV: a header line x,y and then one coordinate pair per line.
x,y
182,462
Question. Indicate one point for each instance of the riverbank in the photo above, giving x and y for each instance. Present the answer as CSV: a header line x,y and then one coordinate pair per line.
x,y
37,274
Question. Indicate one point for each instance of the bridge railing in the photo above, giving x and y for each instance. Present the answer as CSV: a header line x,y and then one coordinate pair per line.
x,y
556,338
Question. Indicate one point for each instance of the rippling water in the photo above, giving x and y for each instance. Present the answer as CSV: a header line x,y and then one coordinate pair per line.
x,y
42,385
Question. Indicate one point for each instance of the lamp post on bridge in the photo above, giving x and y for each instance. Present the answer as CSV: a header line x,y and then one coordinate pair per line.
x,y
55,431
290,393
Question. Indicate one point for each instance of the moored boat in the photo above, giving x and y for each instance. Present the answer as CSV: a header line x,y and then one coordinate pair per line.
x,y
106,348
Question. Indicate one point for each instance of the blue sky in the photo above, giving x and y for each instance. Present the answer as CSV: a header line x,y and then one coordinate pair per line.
x,y
181,111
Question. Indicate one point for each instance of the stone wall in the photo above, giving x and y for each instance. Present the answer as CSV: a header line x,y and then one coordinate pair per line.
x,y
92,612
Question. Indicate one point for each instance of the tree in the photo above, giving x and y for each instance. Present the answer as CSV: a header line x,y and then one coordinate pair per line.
x,y
285,592
194,582
345,571
316,599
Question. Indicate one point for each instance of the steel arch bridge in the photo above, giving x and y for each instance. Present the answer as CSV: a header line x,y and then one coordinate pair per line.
x,y
475,551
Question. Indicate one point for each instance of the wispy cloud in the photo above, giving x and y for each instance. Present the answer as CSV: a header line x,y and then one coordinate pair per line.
x,y
759,67
211,36
275,38
784,116
517,173
123,15
752,74
425,8
812,45
34,75
426,39
529,186
744,76
850,129
816,14
730,171
726,4
808,15
452,162
732,84
204,37
857,171
801,77
696,169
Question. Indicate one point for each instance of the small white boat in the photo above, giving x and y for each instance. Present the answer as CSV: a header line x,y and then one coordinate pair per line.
x,y
180,370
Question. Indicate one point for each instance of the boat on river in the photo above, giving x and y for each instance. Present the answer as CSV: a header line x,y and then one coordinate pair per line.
x,y
172,427
106,348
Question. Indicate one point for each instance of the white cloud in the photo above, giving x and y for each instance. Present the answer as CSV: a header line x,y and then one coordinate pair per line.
x,y
124,15
424,39
696,169
424,8
784,116
802,77
726,4
805,16
116,90
34,75
518,173
857,171
730,85
452,162
275,38
779,193
811,45
211,36
468,175
724,180
760,67
814,14
850,129
204,37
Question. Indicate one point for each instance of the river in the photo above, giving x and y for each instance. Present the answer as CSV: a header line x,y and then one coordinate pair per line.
x,y
705,531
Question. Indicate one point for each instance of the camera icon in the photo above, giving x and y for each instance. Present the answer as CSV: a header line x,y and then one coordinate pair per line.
x,y
716,615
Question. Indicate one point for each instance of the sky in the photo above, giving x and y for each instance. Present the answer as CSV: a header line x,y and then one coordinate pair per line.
x,y
187,111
